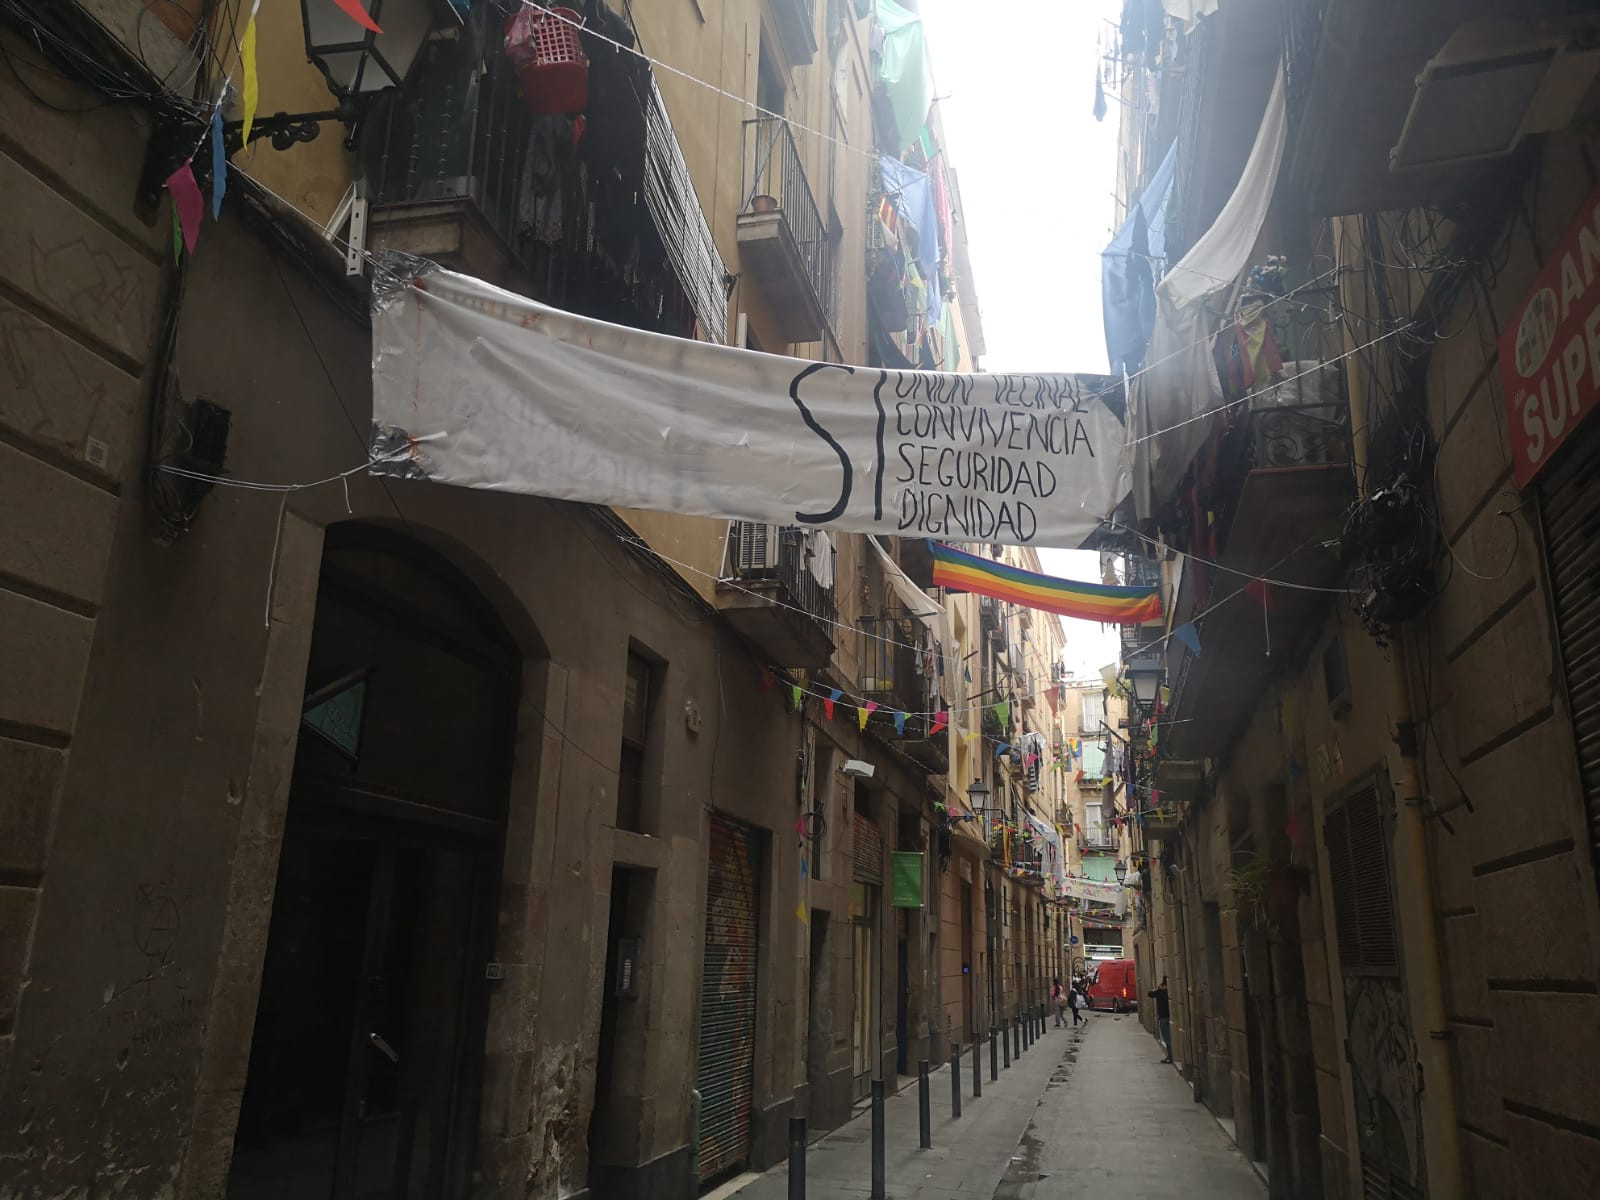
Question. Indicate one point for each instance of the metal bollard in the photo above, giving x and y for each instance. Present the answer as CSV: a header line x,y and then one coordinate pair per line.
x,y
924,1113
955,1081
1016,1037
1027,1031
877,1140
977,1068
797,1158
1005,1042
994,1055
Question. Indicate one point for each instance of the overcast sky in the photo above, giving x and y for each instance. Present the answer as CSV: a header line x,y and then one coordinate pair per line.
x,y
1037,173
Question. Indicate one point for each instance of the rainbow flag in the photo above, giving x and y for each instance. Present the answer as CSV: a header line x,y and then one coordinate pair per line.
x,y
963,572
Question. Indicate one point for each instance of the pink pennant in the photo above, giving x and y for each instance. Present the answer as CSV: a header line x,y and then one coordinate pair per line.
x,y
189,203
940,720
358,14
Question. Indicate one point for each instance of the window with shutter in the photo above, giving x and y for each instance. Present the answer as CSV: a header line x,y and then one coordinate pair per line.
x,y
1359,872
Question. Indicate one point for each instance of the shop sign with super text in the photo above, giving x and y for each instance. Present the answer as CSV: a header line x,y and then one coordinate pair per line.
x,y
1550,349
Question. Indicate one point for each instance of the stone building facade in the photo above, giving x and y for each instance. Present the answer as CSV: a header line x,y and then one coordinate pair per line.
x,y
1376,898
384,831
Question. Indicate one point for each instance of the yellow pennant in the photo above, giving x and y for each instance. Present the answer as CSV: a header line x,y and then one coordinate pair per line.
x,y
861,716
967,737
252,91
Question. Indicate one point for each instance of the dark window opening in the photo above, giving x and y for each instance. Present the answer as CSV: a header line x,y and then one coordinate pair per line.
x,y
637,706
770,89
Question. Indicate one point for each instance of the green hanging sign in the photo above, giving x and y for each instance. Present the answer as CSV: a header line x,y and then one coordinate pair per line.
x,y
908,879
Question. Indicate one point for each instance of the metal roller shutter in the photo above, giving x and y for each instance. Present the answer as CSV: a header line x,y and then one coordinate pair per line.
x,y
1569,504
724,1075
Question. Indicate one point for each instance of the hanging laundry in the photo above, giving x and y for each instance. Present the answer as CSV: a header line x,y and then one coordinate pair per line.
x,y
913,197
903,69
1128,271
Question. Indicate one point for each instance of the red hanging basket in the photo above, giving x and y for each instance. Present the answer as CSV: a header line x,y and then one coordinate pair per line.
x,y
547,55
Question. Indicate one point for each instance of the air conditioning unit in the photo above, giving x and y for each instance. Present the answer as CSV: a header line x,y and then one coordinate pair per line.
x,y
1491,86
755,546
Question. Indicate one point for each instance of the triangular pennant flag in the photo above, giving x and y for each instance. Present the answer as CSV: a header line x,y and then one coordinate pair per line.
x,y
1001,749
1003,711
219,163
1261,590
1189,636
251,88
1032,758
865,712
358,14
940,720
967,673
189,203
794,691
827,705
966,738
900,723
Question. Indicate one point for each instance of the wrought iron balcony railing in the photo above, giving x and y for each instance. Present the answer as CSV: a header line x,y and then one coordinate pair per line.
x,y
782,233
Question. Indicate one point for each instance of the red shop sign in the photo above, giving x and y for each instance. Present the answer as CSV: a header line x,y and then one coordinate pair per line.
x,y
1550,349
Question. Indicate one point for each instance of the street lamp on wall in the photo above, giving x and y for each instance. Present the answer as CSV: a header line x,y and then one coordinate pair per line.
x,y
978,795
1144,679
1120,871
357,62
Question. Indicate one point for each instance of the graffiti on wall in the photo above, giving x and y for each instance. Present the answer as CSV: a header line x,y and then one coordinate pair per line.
x,y
1384,1076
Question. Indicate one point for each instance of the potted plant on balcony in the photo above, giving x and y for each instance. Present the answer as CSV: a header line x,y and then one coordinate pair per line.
x,y
763,203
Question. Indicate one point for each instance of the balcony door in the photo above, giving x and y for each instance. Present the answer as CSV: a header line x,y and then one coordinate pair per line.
x,y
364,1063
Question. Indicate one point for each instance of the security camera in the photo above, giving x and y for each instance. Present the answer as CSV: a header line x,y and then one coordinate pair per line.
x,y
857,769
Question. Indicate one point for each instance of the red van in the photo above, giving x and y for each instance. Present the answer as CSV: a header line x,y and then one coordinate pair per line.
x,y
1113,987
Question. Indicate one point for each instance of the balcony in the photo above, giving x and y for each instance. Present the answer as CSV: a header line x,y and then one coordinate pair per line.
x,y
602,221
893,679
784,243
1352,68
1281,489
772,594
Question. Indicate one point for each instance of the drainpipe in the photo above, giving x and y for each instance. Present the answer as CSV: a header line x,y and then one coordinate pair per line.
x,y
1413,869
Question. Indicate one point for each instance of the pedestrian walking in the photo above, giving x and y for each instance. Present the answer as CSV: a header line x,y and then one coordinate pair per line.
x,y
1163,1017
1079,1001
1059,995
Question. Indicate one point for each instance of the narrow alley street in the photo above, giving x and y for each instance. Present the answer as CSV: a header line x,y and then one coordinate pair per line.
x,y
1087,1112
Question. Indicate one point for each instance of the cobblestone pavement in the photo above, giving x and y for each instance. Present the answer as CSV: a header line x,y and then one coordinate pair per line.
x,y
1082,1113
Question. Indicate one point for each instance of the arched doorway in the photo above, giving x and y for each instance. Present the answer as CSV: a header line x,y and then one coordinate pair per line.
x,y
365,1063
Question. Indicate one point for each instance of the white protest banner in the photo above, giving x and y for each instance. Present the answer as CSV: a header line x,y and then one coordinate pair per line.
x,y
1085,888
491,390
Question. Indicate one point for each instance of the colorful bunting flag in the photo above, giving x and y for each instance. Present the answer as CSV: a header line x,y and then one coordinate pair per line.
x,y
966,738
900,723
187,200
941,719
358,14
794,692
1003,711
1189,636
251,87
219,163
1001,749
827,705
